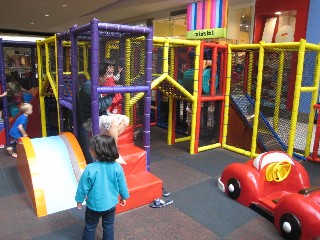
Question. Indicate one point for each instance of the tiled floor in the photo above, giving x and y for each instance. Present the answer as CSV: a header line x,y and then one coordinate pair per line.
x,y
200,210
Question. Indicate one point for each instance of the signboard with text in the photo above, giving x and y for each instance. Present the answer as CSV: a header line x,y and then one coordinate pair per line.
x,y
206,33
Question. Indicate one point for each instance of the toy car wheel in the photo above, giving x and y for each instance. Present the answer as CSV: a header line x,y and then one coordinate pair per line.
x,y
290,226
234,188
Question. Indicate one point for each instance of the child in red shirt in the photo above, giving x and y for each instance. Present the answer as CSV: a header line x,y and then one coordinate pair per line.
x,y
111,80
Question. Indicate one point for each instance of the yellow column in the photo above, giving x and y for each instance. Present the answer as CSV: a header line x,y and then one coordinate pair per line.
x,y
195,99
41,91
296,96
258,100
227,100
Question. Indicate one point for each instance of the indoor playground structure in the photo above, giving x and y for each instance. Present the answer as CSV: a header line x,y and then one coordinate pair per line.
x,y
186,94
20,68
247,98
134,55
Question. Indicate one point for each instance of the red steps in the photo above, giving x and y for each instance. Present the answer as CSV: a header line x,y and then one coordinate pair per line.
x,y
143,186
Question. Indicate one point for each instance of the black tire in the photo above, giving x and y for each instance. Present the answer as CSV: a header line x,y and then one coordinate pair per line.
x,y
236,188
295,226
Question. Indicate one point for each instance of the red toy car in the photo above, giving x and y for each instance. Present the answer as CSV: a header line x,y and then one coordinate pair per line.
x,y
277,187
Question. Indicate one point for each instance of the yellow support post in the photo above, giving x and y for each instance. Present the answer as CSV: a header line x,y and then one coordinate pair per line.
x,y
57,81
85,62
257,103
41,92
296,96
278,92
240,151
182,139
209,147
170,128
195,99
227,100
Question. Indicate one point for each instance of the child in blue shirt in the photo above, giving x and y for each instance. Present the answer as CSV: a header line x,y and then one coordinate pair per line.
x,y
100,185
19,127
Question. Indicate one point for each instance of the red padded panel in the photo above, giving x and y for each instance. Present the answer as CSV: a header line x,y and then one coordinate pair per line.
x,y
143,188
126,137
135,158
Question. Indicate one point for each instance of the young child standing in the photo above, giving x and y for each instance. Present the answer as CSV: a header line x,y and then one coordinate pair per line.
x,y
100,185
111,79
19,127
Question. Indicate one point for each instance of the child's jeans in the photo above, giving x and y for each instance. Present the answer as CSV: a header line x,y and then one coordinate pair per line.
x,y
92,220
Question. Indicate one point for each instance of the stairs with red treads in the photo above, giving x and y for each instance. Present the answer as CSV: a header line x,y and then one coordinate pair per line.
x,y
143,186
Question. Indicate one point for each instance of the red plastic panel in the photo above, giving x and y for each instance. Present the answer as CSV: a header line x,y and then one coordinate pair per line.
x,y
143,188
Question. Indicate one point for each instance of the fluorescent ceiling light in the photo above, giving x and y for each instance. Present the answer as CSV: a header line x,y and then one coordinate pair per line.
x,y
20,38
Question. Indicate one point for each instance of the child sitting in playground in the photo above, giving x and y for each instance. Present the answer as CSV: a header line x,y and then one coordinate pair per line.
x,y
109,124
100,185
19,128
110,81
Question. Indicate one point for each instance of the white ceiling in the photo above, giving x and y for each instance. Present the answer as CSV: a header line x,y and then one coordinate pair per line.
x,y
17,15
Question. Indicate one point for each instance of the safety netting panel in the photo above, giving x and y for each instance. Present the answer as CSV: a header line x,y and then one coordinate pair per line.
x,y
210,120
83,63
180,62
242,85
305,103
126,52
276,101
43,74
19,63
213,71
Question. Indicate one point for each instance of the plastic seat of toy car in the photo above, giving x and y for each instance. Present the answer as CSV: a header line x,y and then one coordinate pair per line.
x,y
266,158
278,171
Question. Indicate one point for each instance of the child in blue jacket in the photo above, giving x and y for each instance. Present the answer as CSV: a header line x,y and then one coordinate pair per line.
x,y
100,185
19,127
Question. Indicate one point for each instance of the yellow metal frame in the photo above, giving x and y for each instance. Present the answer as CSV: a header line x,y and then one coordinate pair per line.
x,y
46,78
302,47
166,43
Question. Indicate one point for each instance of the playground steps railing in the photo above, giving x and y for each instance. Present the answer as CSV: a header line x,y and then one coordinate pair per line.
x,y
268,139
143,186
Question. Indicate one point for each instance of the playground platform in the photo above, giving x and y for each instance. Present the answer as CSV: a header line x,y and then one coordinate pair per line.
x,y
200,210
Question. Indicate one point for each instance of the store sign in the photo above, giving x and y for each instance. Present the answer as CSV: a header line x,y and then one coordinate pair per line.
x,y
207,33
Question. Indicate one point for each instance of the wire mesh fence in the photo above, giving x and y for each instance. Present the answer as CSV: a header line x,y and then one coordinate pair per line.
x,y
277,94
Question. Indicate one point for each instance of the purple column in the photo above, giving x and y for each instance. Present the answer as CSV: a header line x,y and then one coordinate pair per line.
x,y
147,100
74,77
3,85
94,76
60,77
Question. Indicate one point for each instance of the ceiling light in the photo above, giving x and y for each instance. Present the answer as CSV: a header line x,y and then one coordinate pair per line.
x,y
47,14
64,5
278,13
32,22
